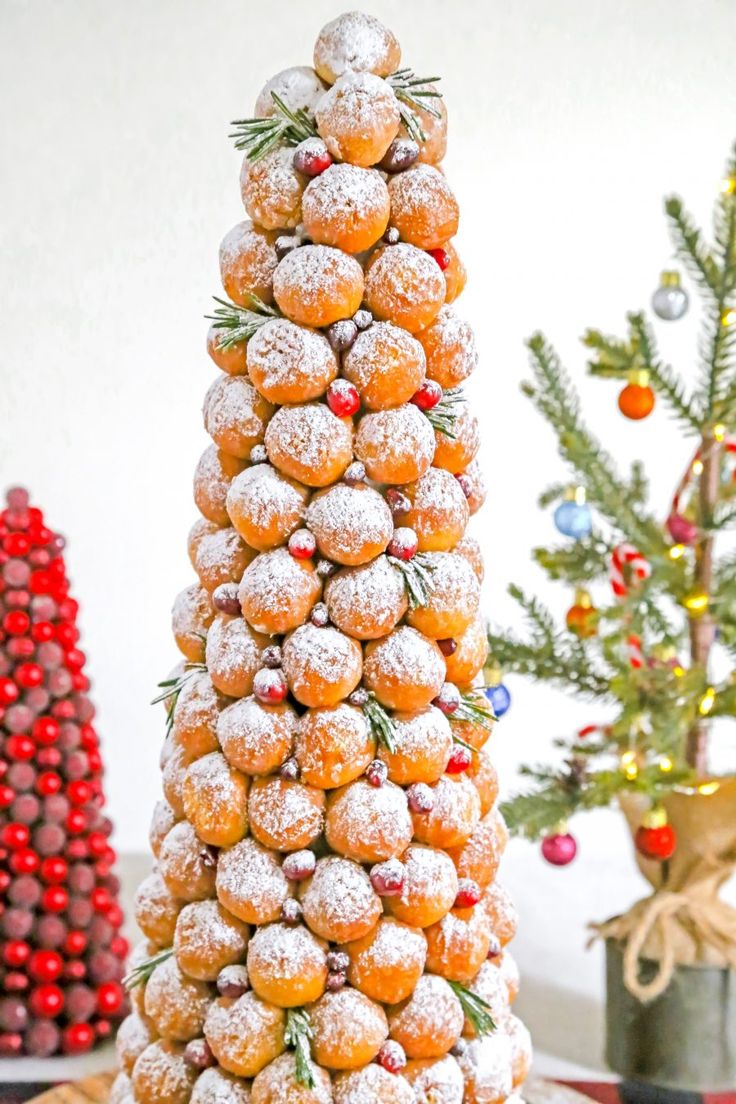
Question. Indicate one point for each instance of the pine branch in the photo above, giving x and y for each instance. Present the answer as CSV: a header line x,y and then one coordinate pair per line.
x,y
661,376
443,416
638,483
556,399
475,708
477,1010
553,493
578,562
417,575
298,1035
381,723
691,247
415,94
239,324
140,974
171,688
257,137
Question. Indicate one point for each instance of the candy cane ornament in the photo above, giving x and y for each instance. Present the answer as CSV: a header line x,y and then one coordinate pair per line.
x,y
628,567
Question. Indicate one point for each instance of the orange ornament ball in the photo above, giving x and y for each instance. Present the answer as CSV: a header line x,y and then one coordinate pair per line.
x,y
636,401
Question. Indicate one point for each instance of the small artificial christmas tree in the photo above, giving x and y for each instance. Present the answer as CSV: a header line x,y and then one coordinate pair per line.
x,y
61,952
645,649
324,921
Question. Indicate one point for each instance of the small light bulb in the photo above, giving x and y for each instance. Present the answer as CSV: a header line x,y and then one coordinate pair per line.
x,y
728,318
707,702
708,788
728,185
696,602
676,551
698,467
678,671
719,431
665,764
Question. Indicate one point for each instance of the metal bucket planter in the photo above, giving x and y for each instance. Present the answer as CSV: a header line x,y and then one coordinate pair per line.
x,y
683,1041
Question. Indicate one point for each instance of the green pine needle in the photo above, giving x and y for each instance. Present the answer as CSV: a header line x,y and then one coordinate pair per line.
x,y
140,974
381,724
257,137
415,94
475,1008
475,708
417,575
443,416
171,688
239,324
297,1035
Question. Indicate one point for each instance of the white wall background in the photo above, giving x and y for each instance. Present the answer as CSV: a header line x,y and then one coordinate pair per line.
x,y
569,121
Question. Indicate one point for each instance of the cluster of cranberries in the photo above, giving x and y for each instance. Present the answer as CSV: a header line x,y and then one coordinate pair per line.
x,y
61,952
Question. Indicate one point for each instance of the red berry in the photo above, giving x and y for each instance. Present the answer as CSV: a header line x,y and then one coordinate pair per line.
x,y
343,398
119,946
289,770
79,792
387,878
88,737
77,1038
398,502
15,835
75,658
75,943
100,899
20,647
16,623
377,773
109,998
42,632
21,748
28,675
302,544
420,797
54,870
97,843
48,783
40,582
45,730
15,982
16,953
68,609
312,157
336,980
9,692
54,899
80,682
441,256
270,686
460,759
76,822
45,965
24,861
403,544
428,395
469,893
392,1056
7,796
16,544
448,646
115,916
103,1029
232,981
46,1001
299,865
448,700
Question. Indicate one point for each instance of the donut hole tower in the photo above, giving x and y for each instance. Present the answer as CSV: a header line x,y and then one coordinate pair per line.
x,y
323,922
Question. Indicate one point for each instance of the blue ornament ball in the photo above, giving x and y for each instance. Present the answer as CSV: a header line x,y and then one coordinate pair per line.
x,y
499,698
574,519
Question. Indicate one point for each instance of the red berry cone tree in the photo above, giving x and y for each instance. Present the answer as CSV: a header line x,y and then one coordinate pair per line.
x,y
61,952
323,921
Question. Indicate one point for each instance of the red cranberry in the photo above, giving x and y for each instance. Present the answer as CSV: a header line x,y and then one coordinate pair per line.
x,y
392,1056
109,998
299,865
391,235
448,700
441,256
225,599
271,656
320,615
43,1038
13,1014
289,770
400,155
336,981
338,961
270,685
403,544
469,893
302,544
232,981
420,797
341,335
359,697
343,398
494,947
77,1038
197,1053
466,484
428,395
377,773
387,878
15,835
291,911
325,568
397,501
448,646
45,965
460,759
312,157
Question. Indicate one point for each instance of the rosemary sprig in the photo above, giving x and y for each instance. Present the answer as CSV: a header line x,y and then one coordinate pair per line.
x,y
443,416
474,707
415,94
417,573
475,1008
297,1034
171,688
239,323
380,722
142,972
257,137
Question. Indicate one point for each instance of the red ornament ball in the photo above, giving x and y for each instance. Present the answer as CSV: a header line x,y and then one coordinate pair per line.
x,y
109,998
559,849
636,401
657,843
77,1038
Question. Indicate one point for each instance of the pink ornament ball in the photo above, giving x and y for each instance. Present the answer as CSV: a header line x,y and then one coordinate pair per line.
x,y
559,849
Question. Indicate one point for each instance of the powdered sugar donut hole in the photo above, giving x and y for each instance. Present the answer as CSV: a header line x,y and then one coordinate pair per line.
x,y
355,42
298,87
358,118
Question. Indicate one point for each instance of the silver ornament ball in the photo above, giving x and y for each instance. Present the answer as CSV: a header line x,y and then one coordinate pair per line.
x,y
670,300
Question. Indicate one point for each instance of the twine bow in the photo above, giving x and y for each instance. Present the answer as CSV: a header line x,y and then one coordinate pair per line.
x,y
690,925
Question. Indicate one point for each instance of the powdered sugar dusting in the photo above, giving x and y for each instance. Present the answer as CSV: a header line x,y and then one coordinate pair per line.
x,y
265,497
356,41
272,189
486,1065
405,657
346,206
449,344
440,1082
232,655
372,1085
325,654
369,823
256,738
290,363
250,882
216,1086
348,520
432,1003
306,438
315,273
287,815
270,581
234,414
299,87
386,364
397,445
367,601
339,902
